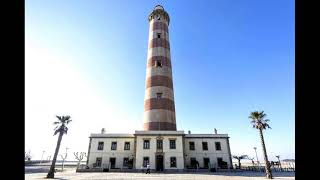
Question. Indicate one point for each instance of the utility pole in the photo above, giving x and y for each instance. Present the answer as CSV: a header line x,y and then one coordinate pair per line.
x,y
255,149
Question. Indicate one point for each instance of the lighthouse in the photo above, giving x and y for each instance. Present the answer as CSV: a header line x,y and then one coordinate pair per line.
x,y
159,107
159,144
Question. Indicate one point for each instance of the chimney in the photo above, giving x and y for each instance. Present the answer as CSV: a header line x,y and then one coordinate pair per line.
x,y
103,131
189,132
215,131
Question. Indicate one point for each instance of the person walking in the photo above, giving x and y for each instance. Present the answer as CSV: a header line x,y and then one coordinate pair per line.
x,y
148,168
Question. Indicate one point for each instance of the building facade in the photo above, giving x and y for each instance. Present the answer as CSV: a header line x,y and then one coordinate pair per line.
x,y
159,144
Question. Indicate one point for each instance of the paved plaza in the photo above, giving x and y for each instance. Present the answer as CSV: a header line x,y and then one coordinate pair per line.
x,y
70,173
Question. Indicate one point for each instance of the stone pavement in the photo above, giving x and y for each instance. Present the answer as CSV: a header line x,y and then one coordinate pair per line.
x,y
71,174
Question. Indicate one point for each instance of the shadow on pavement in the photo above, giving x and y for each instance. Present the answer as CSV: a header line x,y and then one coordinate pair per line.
x,y
35,170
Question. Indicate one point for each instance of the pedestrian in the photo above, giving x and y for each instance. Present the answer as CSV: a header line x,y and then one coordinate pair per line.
x,y
148,168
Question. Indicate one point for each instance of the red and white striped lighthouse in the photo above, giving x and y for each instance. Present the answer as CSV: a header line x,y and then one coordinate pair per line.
x,y
159,108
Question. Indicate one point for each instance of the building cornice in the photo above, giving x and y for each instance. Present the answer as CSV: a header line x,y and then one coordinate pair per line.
x,y
112,136
206,136
157,133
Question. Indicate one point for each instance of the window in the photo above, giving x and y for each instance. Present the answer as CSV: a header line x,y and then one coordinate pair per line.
x,y
146,144
218,146
114,146
127,146
145,161
191,146
158,63
159,144
158,17
172,144
125,162
159,35
98,161
173,162
206,162
100,146
159,95
205,146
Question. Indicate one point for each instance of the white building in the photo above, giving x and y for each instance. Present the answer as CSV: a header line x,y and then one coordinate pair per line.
x,y
163,150
159,144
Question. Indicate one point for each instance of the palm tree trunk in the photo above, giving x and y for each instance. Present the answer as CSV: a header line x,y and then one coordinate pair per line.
x,y
267,164
51,171
239,163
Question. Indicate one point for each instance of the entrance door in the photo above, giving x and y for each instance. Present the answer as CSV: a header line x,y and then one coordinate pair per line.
x,y
112,163
159,162
193,163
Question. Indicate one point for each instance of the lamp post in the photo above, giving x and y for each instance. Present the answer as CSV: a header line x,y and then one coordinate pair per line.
x,y
255,149
65,157
42,156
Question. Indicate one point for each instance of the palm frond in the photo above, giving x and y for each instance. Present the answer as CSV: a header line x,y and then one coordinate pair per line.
x,y
267,125
68,121
57,127
56,122
56,132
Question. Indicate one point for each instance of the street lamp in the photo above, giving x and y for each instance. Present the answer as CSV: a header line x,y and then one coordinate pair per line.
x,y
42,156
255,149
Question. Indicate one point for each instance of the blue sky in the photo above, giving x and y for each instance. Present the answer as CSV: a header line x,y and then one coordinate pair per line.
x,y
88,59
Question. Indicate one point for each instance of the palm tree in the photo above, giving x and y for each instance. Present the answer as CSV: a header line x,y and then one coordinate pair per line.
x,y
61,128
239,158
259,122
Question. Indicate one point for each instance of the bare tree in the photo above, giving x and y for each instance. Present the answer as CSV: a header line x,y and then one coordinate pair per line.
x,y
252,160
79,157
239,158
279,162
27,155
63,158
